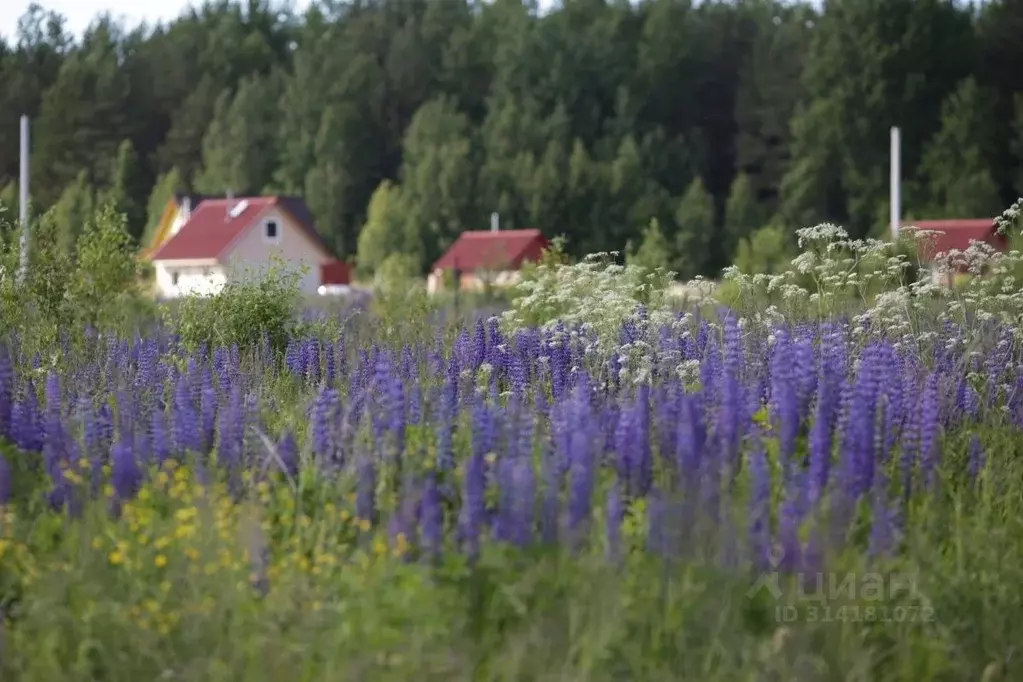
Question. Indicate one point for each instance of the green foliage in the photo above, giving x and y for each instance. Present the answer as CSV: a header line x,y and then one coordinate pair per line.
x,y
596,293
96,286
127,189
743,213
767,250
696,234
955,173
166,187
246,310
654,251
104,287
72,211
384,234
238,149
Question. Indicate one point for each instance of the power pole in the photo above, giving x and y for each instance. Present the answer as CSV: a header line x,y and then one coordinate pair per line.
x,y
895,203
23,199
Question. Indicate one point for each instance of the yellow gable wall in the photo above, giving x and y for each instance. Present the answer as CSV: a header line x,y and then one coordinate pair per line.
x,y
170,212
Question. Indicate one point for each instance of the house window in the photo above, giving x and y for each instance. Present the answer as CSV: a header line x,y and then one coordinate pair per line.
x,y
271,231
174,278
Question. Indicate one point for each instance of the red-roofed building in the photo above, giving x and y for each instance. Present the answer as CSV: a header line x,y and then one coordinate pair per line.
x,y
492,257
954,235
229,238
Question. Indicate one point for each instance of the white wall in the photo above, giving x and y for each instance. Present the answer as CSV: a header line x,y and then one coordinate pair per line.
x,y
252,254
192,279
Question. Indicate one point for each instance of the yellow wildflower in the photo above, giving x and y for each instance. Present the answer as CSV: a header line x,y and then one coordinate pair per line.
x,y
116,557
160,561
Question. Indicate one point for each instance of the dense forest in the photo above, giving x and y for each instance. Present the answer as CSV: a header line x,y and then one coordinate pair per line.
x,y
670,128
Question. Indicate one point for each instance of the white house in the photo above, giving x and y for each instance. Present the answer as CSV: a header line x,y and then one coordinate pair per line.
x,y
227,239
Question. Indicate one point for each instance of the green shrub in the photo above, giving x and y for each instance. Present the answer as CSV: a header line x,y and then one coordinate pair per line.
x,y
242,312
62,293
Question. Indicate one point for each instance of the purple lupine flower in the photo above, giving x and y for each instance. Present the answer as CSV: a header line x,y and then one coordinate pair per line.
x,y
860,428
828,393
882,525
329,366
294,362
54,440
550,510
6,393
690,439
6,481
657,536
207,414
125,474
287,452
517,487
311,360
185,420
431,516
366,489
230,431
581,462
473,513
730,411
26,426
784,397
479,345
789,519
634,466
323,420
929,428
162,447
760,508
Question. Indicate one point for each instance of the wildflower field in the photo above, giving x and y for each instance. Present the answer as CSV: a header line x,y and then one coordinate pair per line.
x,y
821,480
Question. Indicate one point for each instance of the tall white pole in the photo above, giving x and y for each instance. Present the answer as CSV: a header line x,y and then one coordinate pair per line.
x,y
23,198
895,203
494,222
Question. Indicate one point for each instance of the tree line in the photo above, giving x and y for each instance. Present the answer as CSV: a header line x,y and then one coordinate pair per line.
x,y
680,132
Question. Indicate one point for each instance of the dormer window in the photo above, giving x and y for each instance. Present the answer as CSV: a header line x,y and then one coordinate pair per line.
x,y
271,231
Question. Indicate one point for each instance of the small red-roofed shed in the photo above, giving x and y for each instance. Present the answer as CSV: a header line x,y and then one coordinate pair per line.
x,y
954,235
488,256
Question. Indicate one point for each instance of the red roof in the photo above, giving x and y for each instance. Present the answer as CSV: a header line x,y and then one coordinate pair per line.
x,y
957,234
210,231
504,250
335,272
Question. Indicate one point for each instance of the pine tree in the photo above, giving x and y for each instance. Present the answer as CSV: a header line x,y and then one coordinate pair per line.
x,y
69,215
167,185
694,219
955,173
654,250
126,191
743,214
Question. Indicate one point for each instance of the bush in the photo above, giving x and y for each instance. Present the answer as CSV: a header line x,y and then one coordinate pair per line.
x,y
65,294
244,312
596,294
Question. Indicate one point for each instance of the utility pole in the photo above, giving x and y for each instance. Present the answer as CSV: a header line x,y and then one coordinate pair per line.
x,y
895,202
23,199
